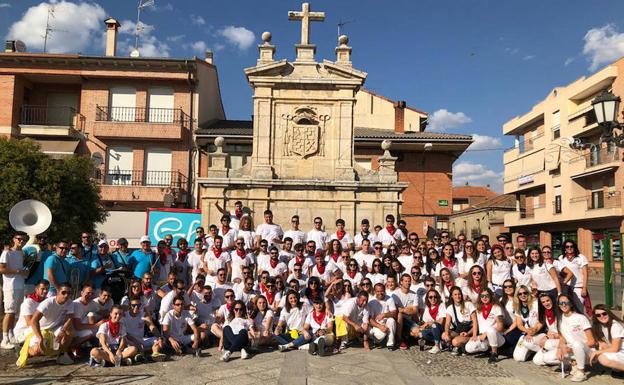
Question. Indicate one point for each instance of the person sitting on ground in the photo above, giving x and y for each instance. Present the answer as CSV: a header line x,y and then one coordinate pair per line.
x,y
236,332
609,332
461,321
357,318
84,324
490,321
433,322
136,321
289,332
407,306
174,325
382,316
263,317
114,347
319,326
28,308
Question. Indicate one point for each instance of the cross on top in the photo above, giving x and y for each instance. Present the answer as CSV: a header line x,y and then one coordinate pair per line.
x,y
306,17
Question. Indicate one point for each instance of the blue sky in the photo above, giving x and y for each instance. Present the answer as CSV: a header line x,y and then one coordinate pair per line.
x,y
472,64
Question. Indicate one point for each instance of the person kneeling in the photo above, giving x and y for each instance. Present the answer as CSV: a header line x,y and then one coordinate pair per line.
x,y
135,321
114,347
357,318
319,326
174,326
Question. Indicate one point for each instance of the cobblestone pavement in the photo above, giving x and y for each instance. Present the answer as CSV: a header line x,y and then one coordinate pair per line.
x,y
353,366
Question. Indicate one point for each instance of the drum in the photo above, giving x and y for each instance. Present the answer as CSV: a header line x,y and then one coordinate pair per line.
x,y
117,282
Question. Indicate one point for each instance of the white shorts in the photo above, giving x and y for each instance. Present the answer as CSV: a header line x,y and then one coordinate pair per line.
x,y
13,300
616,356
34,340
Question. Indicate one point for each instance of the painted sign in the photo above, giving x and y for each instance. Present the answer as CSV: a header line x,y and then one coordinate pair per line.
x,y
443,203
180,223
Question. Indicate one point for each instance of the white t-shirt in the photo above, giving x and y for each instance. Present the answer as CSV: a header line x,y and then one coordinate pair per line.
x,y
441,314
488,323
104,330
354,312
532,318
135,325
305,266
345,241
323,277
213,263
229,238
260,318
177,325
357,240
377,278
386,238
377,306
297,236
81,311
363,258
501,271
319,237
573,327
462,316
617,331
405,299
28,307
541,276
315,326
167,302
102,311
194,260
464,267
249,237
14,260
576,267
205,310
54,314
269,232
239,262
407,261
295,317
454,269
279,269
238,324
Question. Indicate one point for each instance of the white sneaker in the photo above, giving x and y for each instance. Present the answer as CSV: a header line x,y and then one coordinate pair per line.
x,y
13,339
578,376
5,344
226,356
64,359
244,354
435,349
282,348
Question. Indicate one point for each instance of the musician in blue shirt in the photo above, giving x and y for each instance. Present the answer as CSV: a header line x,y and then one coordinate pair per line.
x,y
40,253
89,250
78,262
56,268
141,260
122,255
102,264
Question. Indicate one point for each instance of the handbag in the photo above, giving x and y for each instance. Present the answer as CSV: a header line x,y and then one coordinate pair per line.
x,y
460,327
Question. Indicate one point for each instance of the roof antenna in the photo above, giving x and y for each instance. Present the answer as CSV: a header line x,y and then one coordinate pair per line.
x,y
342,24
139,26
49,29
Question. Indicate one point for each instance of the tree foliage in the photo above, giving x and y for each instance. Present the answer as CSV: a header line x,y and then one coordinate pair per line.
x,y
64,185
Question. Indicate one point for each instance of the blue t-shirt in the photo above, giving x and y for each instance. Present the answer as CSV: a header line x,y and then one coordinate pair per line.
x,y
83,265
31,252
60,270
140,262
105,261
89,252
120,259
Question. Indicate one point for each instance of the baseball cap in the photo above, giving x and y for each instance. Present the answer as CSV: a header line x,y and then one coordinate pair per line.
x,y
103,242
145,238
365,221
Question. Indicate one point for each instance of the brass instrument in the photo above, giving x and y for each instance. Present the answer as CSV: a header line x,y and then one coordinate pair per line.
x,y
32,217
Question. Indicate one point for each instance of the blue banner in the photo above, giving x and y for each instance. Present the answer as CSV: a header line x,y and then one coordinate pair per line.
x,y
178,222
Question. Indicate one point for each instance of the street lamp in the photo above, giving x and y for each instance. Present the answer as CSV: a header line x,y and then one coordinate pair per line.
x,y
606,107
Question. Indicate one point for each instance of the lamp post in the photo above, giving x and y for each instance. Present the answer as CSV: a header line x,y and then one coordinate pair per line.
x,y
606,107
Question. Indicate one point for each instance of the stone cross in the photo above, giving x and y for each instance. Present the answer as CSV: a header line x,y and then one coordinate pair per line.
x,y
306,17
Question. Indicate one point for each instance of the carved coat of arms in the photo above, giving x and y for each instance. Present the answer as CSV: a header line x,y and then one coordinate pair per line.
x,y
304,134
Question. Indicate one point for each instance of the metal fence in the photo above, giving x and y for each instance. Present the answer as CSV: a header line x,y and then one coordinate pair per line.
x,y
48,116
141,115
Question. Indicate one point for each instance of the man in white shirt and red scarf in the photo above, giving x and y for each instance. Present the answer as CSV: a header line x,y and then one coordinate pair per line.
x,y
228,233
390,234
342,235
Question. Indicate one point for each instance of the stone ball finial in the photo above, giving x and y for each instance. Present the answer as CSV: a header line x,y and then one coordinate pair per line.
x,y
386,144
266,36
343,39
219,142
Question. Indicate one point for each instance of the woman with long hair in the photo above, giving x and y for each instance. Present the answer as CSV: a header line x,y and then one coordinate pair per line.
x,y
576,274
134,291
543,275
366,285
433,258
386,267
609,331
545,347
318,329
447,281
490,321
261,331
433,320
448,261
313,290
468,259
334,255
236,332
376,274
498,269
519,270
289,332
476,283
460,323
353,274
245,230
397,268
526,310
507,302
482,252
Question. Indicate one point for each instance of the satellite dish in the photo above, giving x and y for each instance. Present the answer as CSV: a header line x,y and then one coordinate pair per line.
x,y
20,46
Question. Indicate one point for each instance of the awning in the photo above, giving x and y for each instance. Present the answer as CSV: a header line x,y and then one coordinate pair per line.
x,y
594,172
58,148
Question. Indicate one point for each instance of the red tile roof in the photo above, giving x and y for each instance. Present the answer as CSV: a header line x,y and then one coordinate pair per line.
x,y
466,192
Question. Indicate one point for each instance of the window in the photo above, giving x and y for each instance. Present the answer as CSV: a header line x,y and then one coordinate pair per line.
x,y
557,204
122,104
158,167
161,105
119,166
597,199
556,123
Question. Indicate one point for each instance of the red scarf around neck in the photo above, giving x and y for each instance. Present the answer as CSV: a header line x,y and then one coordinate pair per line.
x,y
351,273
114,328
273,263
486,309
147,291
433,311
270,297
448,263
476,286
335,256
217,252
263,288
182,255
318,317
163,259
240,253
35,297
340,234
299,260
550,316
228,307
448,284
391,230
320,268
238,213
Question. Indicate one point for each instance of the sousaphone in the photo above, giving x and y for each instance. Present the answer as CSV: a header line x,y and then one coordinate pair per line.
x,y
32,217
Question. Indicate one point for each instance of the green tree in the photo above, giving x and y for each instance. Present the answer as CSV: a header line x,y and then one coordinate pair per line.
x,y
64,185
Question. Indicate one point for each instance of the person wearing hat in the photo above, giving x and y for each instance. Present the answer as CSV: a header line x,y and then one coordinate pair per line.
x,y
102,264
122,254
141,260
364,233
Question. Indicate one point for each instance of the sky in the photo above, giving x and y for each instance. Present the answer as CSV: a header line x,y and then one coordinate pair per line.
x,y
472,64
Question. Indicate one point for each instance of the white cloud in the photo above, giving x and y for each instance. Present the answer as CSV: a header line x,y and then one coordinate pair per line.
x,y
218,47
241,37
197,47
528,57
477,175
77,27
175,38
603,45
197,20
568,61
484,142
163,8
149,45
5,5
443,119
512,51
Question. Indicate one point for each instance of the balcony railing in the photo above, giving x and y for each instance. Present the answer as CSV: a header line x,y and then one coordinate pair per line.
x,y
141,115
529,144
173,179
600,200
602,156
48,116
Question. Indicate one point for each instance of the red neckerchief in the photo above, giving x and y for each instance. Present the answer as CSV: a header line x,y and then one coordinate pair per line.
x,y
319,318
550,316
270,297
216,252
340,234
448,263
320,268
263,288
448,284
35,297
486,309
182,255
147,291
163,259
299,260
240,253
391,230
568,255
114,328
352,274
273,263
335,256
228,307
433,311
225,229
476,286
238,213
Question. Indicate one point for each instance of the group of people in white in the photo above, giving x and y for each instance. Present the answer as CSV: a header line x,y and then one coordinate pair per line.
x,y
250,290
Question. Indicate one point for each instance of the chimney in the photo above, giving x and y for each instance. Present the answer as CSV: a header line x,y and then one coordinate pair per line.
x,y
399,116
209,56
112,26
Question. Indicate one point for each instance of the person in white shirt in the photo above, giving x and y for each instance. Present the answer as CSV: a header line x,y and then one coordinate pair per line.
x,y
352,273
268,230
390,234
236,214
576,276
246,292
217,258
195,260
227,233
376,274
83,323
407,306
318,235
342,235
220,284
406,258
544,276
320,270
13,275
520,272
167,302
175,324
357,317
382,316
274,267
526,318
461,321
609,331
295,233
135,321
498,269
240,259
298,275
210,238
490,322
263,319
318,326
448,260
305,262
289,332
204,306
286,253
364,233
236,332
364,257
246,231
546,346
28,308
433,321
114,347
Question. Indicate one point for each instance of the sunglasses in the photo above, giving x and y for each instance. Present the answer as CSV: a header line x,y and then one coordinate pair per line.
x,y
569,247
229,296
64,292
429,284
564,303
508,287
352,265
523,293
546,252
366,284
318,223
270,286
62,248
601,314
432,297
238,308
476,273
135,305
300,269
177,304
377,248
484,296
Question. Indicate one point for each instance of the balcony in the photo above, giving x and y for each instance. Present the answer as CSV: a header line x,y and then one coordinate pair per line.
x,y
603,156
596,162
141,185
48,121
140,123
599,204
529,212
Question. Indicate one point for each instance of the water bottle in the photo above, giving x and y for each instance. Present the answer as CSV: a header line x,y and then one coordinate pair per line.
x,y
117,360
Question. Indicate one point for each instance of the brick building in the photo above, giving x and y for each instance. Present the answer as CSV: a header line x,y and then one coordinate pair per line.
x,y
133,116
468,196
483,216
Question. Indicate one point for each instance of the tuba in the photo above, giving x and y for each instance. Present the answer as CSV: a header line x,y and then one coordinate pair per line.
x,y
32,217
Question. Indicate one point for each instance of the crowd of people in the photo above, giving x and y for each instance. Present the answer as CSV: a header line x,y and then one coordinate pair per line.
x,y
250,290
